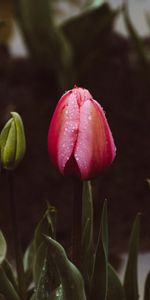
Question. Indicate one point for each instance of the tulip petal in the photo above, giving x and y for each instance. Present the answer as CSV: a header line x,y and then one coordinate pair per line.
x,y
80,142
111,148
94,147
63,130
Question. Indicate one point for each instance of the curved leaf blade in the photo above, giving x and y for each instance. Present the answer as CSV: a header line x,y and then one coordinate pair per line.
x,y
6,288
9,273
71,279
45,226
115,288
130,279
44,272
92,4
28,260
3,247
57,294
39,260
54,53
141,48
43,291
100,273
147,287
76,28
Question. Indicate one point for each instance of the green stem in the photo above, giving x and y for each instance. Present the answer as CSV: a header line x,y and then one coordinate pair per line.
x,y
17,246
77,222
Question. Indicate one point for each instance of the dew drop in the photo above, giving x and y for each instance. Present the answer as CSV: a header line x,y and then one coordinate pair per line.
x,y
77,158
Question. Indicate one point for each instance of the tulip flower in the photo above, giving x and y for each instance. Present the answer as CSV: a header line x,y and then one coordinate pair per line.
x,y
12,142
80,142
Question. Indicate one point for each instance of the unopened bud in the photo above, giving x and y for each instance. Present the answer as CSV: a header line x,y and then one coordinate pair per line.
x,y
12,142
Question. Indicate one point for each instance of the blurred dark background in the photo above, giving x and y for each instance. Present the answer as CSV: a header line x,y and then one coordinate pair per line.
x,y
45,48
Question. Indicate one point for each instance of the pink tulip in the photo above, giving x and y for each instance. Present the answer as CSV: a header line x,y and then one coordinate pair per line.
x,y
80,142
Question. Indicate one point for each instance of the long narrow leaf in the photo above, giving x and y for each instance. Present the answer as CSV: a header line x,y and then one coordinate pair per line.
x,y
100,275
6,288
141,48
54,52
3,247
39,259
45,226
43,291
115,288
38,253
147,288
9,273
92,4
57,294
147,15
130,279
100,20
71,279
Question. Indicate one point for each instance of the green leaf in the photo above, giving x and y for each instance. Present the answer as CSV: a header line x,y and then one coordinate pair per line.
x,y
87,247
51,217
115,288
45,226
33,297
57,294
6,287
28,260
147,287
148,181
48,280
43,290
9,273
70,277
39,259
130,279
3,247
141,48
147,15
54,52
43,271
100,274
100,20
28,257
91,4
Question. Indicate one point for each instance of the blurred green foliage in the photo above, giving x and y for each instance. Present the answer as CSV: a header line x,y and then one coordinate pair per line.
x,y
65,48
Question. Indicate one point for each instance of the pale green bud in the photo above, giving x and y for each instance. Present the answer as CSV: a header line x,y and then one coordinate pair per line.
x,y
12,142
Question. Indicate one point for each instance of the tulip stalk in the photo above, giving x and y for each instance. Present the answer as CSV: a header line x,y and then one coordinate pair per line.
x,y
77,221
17,244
